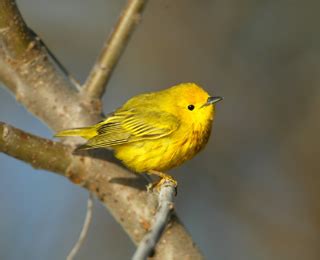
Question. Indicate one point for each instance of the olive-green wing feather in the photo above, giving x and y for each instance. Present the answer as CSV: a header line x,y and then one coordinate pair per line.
x,y
132,126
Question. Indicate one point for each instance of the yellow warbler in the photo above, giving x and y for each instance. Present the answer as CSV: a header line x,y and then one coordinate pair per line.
x,y
157,131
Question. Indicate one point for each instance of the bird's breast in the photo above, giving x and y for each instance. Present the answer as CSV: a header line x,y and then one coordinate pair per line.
x,y
164,153
193,141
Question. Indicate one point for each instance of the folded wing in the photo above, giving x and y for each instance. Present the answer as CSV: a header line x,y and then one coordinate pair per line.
x,y
131,126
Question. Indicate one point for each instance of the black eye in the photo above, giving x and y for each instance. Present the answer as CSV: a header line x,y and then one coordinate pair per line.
x,y
191,107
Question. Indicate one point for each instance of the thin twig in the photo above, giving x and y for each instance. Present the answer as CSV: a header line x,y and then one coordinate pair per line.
x,y
114,46
84,231
147,245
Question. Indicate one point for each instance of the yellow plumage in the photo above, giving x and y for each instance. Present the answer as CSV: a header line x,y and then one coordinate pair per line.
x,y
157,131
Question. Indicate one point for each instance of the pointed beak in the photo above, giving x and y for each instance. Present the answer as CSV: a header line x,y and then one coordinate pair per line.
x,y
212,100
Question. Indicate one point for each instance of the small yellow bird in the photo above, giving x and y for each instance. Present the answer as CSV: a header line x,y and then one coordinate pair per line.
x,y
154,132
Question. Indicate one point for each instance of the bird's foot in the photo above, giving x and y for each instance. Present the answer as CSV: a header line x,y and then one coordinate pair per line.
x,y
164,178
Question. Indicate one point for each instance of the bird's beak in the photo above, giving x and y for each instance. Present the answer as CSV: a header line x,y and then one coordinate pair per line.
x,y
212,100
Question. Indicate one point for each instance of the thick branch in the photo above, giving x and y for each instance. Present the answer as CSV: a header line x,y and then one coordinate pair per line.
x,y
10,20
113,48
39,152
28,72
120,191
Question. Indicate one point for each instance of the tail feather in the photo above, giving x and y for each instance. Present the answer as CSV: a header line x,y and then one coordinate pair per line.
x,y
84,132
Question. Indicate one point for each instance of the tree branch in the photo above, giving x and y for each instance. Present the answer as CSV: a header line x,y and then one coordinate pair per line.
x,y
120,191
57,62
40,153
113,48
147,246
34,79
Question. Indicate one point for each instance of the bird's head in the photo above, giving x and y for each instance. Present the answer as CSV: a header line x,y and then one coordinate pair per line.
x,y
192,103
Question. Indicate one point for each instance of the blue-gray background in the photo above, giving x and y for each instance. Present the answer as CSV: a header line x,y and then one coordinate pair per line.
x,y
253,193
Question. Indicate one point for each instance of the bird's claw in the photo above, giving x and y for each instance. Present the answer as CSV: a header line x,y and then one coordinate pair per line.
x,y
157,185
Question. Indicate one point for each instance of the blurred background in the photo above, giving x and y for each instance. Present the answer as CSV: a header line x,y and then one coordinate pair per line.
x,y
253,193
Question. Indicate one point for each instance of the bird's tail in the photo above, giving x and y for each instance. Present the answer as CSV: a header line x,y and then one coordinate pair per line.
x,y
84,132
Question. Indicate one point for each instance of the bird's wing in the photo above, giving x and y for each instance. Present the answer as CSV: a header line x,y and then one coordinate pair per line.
x,y
131,126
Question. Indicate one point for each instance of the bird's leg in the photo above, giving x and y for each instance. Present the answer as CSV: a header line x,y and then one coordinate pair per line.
x,y
164,177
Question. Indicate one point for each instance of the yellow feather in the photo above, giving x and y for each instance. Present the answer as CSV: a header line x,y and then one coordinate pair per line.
x,y
84,132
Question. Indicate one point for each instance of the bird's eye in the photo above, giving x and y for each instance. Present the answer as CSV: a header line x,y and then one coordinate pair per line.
x,y
191,107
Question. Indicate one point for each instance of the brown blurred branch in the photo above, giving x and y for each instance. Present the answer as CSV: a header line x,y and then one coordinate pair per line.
x,y
28,72
84,231
101,72
40,153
